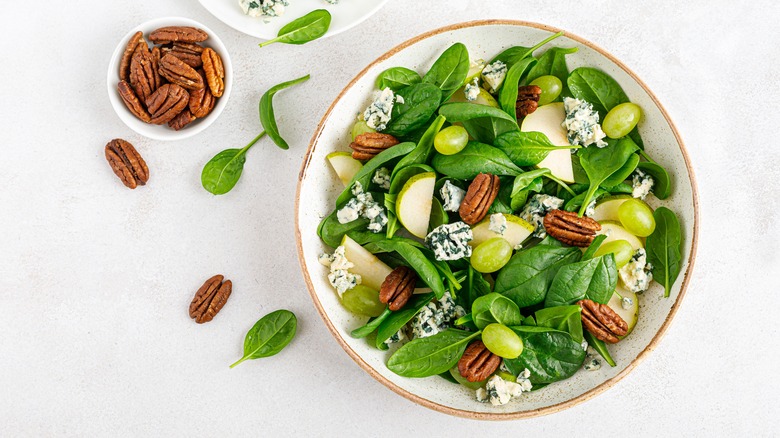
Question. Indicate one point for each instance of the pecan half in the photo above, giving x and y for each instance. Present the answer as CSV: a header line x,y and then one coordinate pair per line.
x,y
156,55
201,102
183,119
166,103
190,53
602,321
124,63
366,146
179,73
477,362
185,34
143,78
527,100
398,287
210,299
215,71
127,163
479,197
131,101
570,228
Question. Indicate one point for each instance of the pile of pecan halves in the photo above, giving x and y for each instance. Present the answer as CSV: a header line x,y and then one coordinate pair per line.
x,y
175,82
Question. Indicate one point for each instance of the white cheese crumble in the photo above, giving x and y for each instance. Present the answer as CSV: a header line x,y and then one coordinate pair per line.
x,y
582,123
637,273
340,278
642,184
378,113
471,90
626,303
400,336
382,178
435,317
332,2
363,204
263,8
450,241
497,223
590,210
499,391
535,210
494,75
452,196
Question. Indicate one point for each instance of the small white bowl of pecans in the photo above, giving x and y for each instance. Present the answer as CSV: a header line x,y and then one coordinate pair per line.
x,y
169,78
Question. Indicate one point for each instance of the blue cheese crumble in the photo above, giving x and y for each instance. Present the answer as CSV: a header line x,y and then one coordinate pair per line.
x,y
637,273
471,90
499,391
452,196
339,277
590,210
497,223
263,8
450,241
378,113
535,210
435,317
399,336
332,2
642,184
582,123
382,178
592,361
363,204
493,75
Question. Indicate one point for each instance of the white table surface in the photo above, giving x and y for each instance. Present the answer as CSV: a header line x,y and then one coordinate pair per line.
x,y
95,279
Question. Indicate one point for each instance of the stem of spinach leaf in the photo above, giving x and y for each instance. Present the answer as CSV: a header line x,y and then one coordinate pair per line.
x,y
560,183
646,157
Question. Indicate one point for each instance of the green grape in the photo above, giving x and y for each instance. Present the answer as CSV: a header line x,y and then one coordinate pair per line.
x,y
622,250
621,119
637,217
551,88
462,380
363,300
451,140
491,255
361,127
502,341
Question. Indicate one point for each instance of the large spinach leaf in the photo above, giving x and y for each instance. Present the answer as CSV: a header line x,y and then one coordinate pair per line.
x,y
664,248
527,276
526,148
495,307
507,97
419,103
397,320
269,335
483,123
474,159
396,78
450,70
624,172
593,279
563,318
424,357
550,355
601,163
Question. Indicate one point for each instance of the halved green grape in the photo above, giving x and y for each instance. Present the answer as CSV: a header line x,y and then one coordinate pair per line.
x,y
363,300
551,88
621,119
451,140
622,250
361,127
491,255
502,341
637,217
463,381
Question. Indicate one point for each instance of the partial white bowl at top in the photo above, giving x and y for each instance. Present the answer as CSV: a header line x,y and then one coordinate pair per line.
x,y
163,132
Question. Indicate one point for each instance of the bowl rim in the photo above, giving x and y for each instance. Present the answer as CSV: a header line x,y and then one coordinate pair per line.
x,y
547,409
112,79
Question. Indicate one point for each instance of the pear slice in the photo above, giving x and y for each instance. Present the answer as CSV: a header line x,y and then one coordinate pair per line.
x,y
413,204
607,208
475,70
615,231
631,314
345,166
548,120
372,270
517,230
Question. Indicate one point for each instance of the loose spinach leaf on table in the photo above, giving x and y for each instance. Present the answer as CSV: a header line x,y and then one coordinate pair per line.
x,y
507,97
563,318
304,29
553,62
495,308
664,248
600,347
593,279
425,269
601,163
419,103
269,335
550,355
424,357
450,70
529,273
267,117
397,320
367,171
662,187
396,78
526,148
474,159
483,123
422,153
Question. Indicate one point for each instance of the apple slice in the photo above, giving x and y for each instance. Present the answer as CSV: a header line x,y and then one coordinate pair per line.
x,y
631,314
547,119
607,208
345,166
413,204
483,98
372,270
517,230
615,231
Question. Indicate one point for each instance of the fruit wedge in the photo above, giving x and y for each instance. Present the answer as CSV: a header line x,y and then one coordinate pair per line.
x,y
606,209
547,119
631,314
517,230
368,266
413,204
484,98
615,231
345,166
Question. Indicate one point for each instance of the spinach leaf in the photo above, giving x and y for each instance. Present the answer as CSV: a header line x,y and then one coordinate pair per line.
x,y
600,347
550,355
624,172
514,54
419,103
663,183
438,215
520,197
526,148
417,260
424,357
664,248
553,62
563,318
503,201
601,163
593,279
596,87
222,172
397,320
590,252
269,335
331,231
396,78
422,153
477,287
623,188
402,174
450,70
495,307
474,159
483,123
370,326
304,29
267,117
367,171
529,273
575,203
507,97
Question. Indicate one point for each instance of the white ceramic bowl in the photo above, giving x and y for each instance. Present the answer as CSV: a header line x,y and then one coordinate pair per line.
x,y
318,188
163,132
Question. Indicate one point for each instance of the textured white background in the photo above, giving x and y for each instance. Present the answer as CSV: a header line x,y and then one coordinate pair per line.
x,y
95,279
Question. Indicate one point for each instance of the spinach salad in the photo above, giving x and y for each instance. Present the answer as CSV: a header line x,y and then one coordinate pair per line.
x,y
454,174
